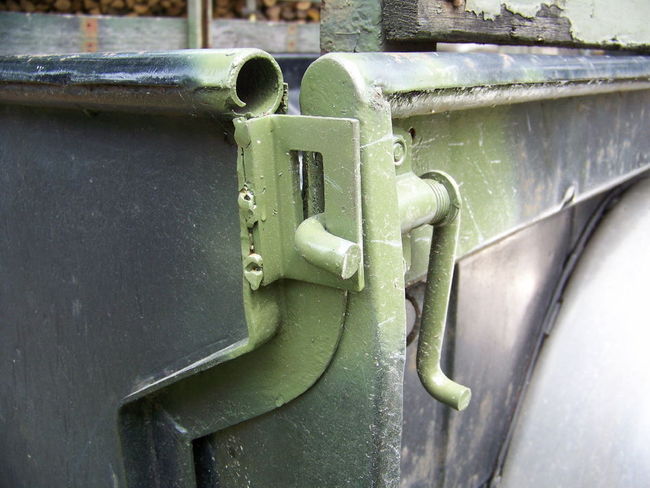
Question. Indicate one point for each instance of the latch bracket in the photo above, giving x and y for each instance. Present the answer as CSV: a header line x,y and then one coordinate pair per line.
x,y
280,239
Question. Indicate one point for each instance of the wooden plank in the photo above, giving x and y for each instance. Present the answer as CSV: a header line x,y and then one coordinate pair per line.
x,y
540,23
273,37
53,33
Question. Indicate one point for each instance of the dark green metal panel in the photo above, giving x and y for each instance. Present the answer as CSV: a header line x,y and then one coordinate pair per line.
x,y
123,299
120,264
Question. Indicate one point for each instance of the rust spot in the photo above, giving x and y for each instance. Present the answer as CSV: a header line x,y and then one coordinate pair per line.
x,y
90,46
89,31
89,27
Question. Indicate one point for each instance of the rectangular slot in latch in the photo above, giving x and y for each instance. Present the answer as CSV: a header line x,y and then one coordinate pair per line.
x,y
313,183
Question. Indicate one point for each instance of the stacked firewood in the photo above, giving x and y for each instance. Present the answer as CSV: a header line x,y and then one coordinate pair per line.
x,y
268,10
291,11
275,10
169,8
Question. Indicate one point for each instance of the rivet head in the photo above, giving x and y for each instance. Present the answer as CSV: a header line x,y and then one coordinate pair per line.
x,y
399,150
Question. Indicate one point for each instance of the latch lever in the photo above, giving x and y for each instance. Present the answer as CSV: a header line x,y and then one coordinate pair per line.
x,y
438,290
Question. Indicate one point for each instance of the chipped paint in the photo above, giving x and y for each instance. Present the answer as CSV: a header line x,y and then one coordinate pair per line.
x,y
610,22
492,8
592,21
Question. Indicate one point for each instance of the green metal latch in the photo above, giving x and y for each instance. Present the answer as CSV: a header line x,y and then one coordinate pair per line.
x,y
283,235
303,222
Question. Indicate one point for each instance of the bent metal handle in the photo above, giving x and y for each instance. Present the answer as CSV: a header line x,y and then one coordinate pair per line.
x,y
436,298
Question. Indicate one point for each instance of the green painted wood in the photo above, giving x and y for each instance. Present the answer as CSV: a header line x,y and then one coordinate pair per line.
x,y
416,25
573,23
351,26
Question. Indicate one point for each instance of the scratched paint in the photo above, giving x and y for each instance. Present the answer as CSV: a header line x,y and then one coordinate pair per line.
x,y
592,21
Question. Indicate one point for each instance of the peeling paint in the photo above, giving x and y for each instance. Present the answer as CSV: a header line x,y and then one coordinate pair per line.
x,y
592,21
609,22
492,8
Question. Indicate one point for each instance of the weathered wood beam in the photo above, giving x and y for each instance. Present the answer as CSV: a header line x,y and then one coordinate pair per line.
x,y
357,26
573,23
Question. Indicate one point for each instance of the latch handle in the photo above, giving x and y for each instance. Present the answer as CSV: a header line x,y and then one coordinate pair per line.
x,y
327,251
438,290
